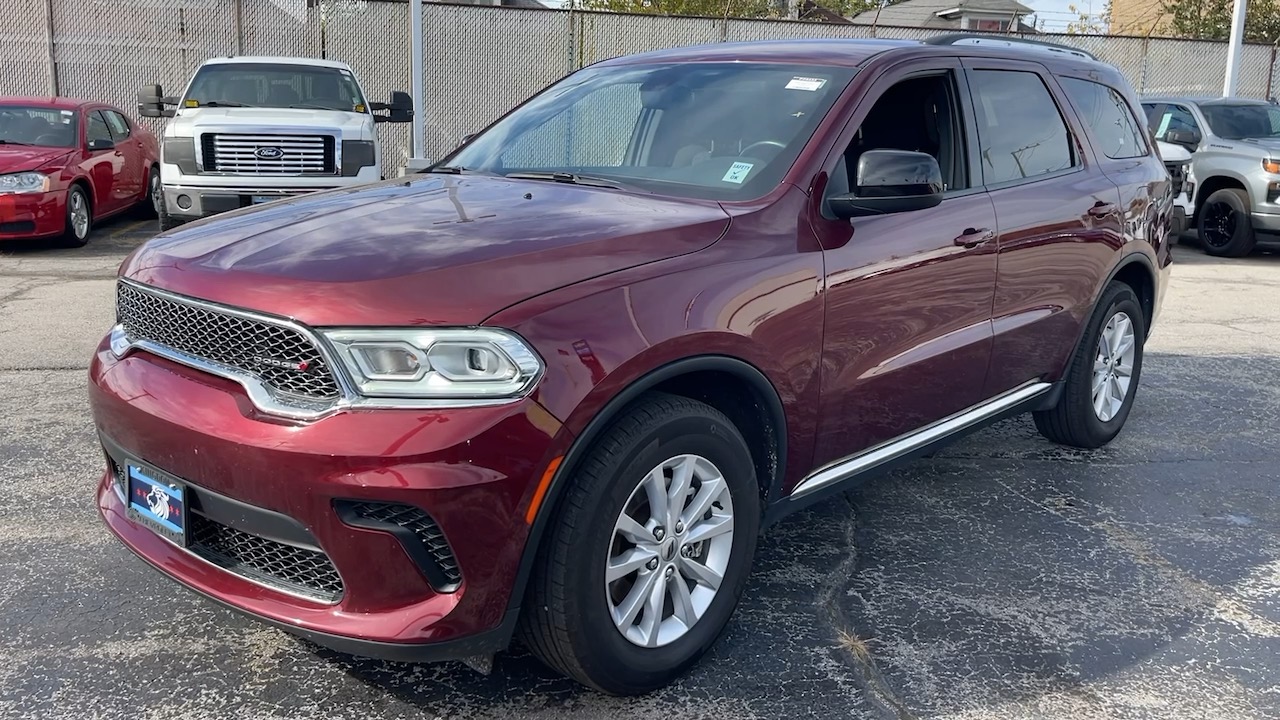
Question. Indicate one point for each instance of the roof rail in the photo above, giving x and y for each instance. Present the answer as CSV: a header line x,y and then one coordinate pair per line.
x,y
1008,41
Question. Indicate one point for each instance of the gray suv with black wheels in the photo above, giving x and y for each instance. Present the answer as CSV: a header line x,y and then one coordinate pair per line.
x,y
1235,146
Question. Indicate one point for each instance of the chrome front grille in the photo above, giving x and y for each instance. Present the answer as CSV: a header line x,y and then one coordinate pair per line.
x,y
285,360
244,154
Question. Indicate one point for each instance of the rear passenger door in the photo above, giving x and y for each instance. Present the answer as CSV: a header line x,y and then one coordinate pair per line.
x,y
1058,216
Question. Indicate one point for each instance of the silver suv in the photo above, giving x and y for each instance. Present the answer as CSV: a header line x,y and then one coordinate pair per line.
x,y
1235,162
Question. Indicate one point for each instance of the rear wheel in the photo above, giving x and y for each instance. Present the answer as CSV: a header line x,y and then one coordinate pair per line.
x,y
650,549
1103,378
79,221
1225,225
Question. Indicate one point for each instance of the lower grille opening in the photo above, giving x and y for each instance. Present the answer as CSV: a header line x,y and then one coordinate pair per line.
x,y
300,571
420,536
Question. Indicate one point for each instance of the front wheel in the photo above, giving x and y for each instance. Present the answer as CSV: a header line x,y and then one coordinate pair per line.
x,y
650,549
1103,378
1225,225
79,218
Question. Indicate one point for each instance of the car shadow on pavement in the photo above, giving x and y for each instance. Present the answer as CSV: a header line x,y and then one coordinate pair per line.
x,y
1002,577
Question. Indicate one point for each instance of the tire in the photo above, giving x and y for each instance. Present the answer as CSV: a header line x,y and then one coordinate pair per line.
x,y
568,621
1225,226
1077,419
79,218
155,194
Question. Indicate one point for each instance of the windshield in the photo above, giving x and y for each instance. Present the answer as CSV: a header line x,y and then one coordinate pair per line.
x,y
274,86
47,127
1237,122
720,131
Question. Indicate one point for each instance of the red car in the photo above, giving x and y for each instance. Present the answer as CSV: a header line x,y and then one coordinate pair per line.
x,y
557,385
66,164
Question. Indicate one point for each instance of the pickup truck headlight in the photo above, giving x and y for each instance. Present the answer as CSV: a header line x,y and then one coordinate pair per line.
x,y
24,182
460,366
1271,166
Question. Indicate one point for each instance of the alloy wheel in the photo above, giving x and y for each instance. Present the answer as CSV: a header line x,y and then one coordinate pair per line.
x,y
157,194
79,215
1113,366
1219,225
669,551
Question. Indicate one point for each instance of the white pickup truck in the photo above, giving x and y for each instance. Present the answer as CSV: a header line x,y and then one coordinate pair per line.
x,y
249,130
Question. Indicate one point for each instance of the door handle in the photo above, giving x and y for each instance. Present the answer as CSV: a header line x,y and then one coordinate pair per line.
x,y
1102,209
973,237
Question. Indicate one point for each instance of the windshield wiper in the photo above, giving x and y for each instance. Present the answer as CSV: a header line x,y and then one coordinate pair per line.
x,y
305,106
564,177
13,142
224,103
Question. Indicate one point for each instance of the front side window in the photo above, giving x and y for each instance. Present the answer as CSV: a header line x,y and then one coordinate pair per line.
x,y
274,86
1021,133
97,128
119,126
1167,118
1241,121
1106,112
46,127
702,130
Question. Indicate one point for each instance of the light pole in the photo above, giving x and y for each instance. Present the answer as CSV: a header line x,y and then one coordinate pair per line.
x,y
1235,46
419,150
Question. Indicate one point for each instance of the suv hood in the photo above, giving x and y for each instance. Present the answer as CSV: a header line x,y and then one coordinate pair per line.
x,y
21,158
439,250
191,121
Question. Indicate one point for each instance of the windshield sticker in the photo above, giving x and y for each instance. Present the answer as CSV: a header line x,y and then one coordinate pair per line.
x,y
737,172
67,115
806,83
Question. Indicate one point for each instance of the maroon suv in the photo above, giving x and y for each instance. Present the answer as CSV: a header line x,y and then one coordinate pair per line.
x,y
556,386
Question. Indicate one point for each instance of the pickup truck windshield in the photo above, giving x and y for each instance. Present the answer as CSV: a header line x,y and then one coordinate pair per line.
x,y
1238,122
719,131
45,127
274,86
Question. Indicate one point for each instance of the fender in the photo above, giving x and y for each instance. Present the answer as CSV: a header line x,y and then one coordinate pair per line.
x,y
582,443
1137,256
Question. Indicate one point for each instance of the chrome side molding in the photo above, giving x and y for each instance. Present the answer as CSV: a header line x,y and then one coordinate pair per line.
x,y
905,444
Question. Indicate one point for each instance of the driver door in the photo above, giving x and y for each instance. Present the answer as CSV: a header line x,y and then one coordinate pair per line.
x,y
103,166
908,295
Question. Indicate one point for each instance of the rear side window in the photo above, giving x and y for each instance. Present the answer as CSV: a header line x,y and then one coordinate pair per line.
x,y
1020,130
1105,112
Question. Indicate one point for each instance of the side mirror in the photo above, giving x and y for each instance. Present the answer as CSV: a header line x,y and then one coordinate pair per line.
x,y
151,102
101,144
1189,138
400,108
891,181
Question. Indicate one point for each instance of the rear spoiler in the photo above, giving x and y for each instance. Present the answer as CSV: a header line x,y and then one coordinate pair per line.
x,y
1008,41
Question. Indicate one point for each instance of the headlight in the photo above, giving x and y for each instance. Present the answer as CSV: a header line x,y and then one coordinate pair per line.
x,y
451,364
1271,166
26,182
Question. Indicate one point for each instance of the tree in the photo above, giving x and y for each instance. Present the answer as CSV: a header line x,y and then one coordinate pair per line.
x,y
1211,19
751,9
1086,24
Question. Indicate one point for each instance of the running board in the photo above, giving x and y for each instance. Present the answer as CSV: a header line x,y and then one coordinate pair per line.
x,y
887,452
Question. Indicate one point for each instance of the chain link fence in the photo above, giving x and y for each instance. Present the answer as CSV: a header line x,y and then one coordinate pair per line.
x,y
478,61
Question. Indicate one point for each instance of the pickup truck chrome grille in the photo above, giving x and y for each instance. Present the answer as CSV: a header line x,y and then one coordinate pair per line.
x,y
243,154
284,359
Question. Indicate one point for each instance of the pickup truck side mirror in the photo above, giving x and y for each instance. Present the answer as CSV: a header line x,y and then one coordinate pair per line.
x,y
151,102
1190,138
891,181
400,108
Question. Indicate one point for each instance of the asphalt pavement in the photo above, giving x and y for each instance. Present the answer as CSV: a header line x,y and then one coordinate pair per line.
x,y
1002,578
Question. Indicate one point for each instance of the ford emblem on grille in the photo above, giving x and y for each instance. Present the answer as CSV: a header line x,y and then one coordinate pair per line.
x,y
269,153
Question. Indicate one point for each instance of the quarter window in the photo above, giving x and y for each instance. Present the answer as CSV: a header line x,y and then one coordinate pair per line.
x,y
1020,130
1105,111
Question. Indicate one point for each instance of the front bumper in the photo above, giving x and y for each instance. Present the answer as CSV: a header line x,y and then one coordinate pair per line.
x,y
32,215
1266,223
191,202
472,471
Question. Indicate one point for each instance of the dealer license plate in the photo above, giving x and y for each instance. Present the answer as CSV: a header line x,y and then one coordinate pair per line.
x,y
160,503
